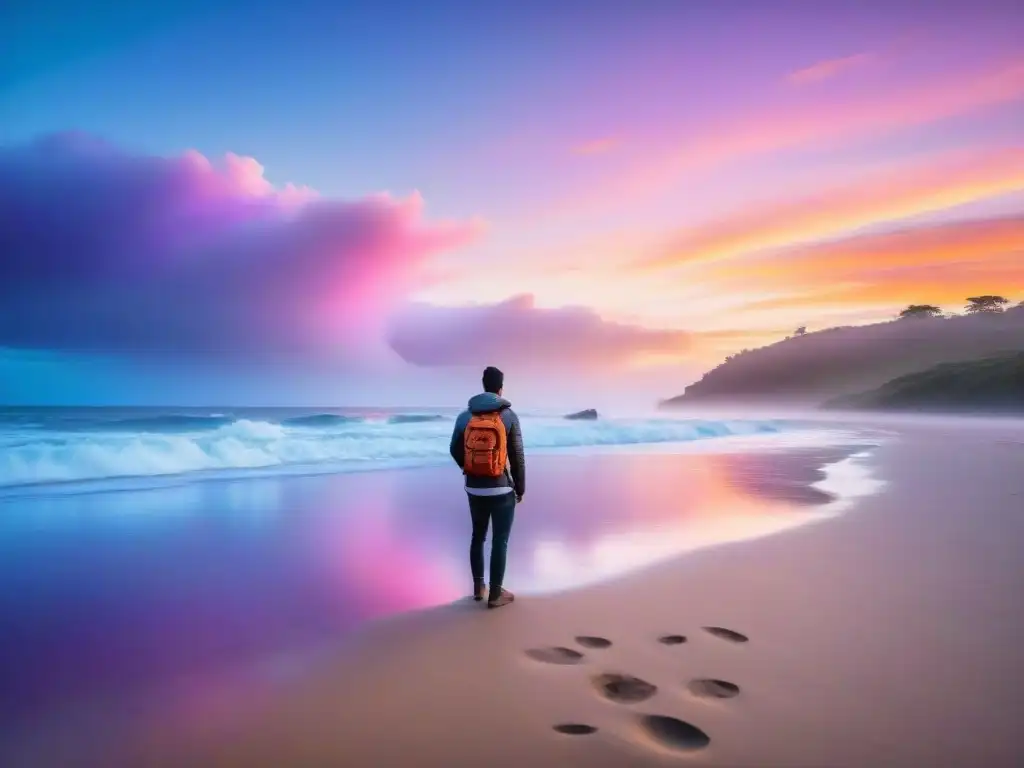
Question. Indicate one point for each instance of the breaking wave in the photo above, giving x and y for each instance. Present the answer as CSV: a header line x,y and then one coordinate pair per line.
x,y
175,444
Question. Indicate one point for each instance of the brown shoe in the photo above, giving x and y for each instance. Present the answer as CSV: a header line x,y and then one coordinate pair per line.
x,y
504,597
479,591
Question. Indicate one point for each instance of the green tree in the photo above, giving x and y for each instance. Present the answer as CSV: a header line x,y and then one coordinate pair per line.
x,y
920,310
980,304
801,331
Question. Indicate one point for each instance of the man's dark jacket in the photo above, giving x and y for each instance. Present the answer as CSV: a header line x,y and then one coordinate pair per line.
x,y
515,473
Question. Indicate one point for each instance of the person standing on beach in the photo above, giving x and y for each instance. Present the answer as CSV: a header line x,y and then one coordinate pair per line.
x,y
487,444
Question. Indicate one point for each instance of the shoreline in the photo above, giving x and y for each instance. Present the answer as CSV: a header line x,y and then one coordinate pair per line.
x,y
698,435
857,632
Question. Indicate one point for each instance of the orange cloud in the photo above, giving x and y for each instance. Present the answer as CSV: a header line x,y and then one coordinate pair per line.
x,y
596,146
938,264
946,285
941,244
826,70
878,198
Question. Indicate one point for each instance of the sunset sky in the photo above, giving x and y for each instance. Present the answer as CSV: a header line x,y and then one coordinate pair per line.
x,y
328,202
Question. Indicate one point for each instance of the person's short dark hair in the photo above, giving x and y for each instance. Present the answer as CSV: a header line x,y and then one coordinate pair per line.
x,y
494,380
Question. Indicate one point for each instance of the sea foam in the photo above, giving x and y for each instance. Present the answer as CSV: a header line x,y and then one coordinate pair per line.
x,y
169,445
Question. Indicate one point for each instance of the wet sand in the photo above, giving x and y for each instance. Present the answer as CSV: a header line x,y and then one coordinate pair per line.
x,y
887,635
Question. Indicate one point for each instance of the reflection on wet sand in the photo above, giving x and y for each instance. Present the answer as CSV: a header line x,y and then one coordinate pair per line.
x,y
705,501
189,610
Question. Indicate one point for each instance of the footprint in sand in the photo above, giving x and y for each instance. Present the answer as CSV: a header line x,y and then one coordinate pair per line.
x,y
593,641
708,688
671,733
662,731
727,634
555,655
623,689
575,729
672,639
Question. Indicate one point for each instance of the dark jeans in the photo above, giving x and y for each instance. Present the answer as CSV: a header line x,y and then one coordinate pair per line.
x,y
485,509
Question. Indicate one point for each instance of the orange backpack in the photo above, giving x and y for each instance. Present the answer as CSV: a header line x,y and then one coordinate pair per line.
x,y
486,445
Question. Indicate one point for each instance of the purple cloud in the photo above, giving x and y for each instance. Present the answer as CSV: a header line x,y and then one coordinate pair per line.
x,y
105,250
515,332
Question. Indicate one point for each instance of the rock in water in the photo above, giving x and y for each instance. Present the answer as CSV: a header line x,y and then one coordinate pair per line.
x,y
588,415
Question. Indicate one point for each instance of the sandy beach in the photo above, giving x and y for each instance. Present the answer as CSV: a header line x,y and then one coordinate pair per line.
x,y
890,636
886,635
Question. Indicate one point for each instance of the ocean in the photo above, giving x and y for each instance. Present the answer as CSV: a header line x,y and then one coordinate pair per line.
x,y
41,446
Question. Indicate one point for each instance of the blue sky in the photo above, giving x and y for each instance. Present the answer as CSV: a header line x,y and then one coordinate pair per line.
x,y
587,137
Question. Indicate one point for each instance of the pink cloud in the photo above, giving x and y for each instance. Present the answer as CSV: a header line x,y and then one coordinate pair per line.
x,y
596,146
815,125
821,123
108,250
516,332
826,70
941,182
